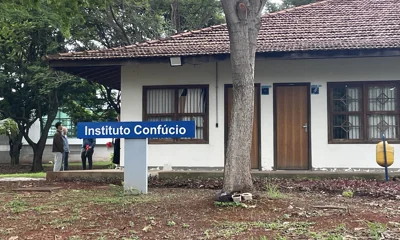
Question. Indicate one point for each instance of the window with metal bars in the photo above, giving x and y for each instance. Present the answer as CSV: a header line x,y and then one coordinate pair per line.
x,y
361,112
66,121
178,103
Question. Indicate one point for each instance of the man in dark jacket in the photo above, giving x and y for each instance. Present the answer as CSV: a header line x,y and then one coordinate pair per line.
x,y
117,149
88,145
58,147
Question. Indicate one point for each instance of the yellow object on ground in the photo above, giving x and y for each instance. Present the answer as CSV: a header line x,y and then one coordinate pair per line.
x,y
380,157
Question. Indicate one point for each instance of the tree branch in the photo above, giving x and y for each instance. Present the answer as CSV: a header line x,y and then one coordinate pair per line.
x,y
4,114
25,131
116,105
108,96
102,33
39,109
119,26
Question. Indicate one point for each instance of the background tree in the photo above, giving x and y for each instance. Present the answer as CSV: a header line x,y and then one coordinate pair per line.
x,y
9,128
271,7
295,3
119,23
243,20
29,88
285,4
89,103
187,15
126,22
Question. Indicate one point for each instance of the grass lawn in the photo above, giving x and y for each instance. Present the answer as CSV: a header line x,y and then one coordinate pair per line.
x,y
24,170
26,175
82,210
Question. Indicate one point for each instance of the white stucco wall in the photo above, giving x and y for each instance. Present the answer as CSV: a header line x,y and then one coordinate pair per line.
x,y
319,72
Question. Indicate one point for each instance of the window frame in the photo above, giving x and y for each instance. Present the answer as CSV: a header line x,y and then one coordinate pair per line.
x,y
176,113
364,113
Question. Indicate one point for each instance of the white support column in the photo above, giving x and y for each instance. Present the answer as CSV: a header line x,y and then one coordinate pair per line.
x,y
135,165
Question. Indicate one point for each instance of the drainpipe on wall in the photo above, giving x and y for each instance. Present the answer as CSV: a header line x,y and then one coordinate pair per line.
x,y
216,91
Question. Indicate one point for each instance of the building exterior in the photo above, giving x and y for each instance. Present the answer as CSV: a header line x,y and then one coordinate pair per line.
x,y
326,84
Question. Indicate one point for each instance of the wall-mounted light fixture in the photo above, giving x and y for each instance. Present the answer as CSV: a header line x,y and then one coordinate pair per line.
x,y
175,61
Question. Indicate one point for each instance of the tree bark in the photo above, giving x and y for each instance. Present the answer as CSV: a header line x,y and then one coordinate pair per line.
x,y
243,20
16,148
24,127
38,148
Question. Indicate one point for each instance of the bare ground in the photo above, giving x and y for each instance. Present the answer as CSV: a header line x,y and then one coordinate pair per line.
x,y
101,211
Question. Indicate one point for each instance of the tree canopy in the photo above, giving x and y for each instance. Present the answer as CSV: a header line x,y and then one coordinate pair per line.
x,y
285,4
30,90
8,127
125,22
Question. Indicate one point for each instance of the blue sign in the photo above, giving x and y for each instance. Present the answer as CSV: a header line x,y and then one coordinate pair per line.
x,y
315,89
165,129
265,90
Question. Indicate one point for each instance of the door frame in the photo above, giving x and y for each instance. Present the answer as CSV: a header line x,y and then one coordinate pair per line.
x,y
307,84
226,120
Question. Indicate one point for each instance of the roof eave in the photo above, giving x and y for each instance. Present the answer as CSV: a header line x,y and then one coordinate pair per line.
x,y
323,53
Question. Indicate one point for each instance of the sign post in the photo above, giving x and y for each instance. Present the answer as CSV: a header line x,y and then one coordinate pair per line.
x,y
136,135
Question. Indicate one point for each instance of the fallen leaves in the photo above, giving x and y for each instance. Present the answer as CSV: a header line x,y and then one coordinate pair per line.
x,y
86,210
360,187
147,228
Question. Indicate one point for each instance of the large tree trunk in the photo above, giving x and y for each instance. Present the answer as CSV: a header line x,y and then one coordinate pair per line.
x,y
243,21
38,148
15,148
37,157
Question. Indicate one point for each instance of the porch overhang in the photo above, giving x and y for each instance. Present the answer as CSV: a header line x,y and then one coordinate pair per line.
x,y
105,73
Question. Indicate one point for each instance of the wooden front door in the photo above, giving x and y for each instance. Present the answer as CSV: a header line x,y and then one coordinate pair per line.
x,y
292,126
255,147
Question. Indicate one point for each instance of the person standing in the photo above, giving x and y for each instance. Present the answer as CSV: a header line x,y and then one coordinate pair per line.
x,y
117,149
58,147
88,145
66,148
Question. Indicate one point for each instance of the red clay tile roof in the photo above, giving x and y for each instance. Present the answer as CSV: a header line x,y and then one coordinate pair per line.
x,y
325,25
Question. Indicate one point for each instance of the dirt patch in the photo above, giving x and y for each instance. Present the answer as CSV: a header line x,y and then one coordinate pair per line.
x,y
82,210
359,187
8,169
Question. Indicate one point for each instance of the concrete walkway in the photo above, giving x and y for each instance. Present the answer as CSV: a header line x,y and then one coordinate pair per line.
x,y
20,179
119,174
96,174
378,175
